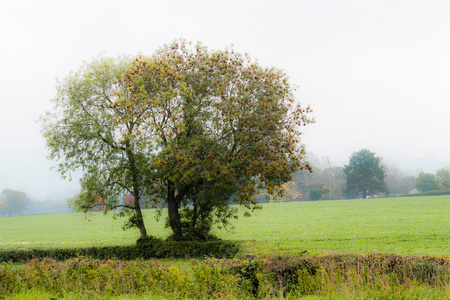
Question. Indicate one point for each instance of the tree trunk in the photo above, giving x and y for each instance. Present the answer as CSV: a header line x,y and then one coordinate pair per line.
x,y
140,220
364,196
194,217
136,194
174,215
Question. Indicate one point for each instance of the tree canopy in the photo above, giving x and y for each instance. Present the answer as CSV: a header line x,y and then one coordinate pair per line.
x,y
87,132
443,176
365,176
427,182
194,128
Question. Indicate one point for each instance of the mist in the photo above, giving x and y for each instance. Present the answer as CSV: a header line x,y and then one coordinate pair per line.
x,y
375,73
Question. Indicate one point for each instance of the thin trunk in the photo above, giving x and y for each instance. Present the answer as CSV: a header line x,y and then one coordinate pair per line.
x,y
140,220
136,194
174,215
194,217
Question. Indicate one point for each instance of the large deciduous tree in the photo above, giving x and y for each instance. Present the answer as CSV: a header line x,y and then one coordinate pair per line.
x,y
194,128
225,127
365,176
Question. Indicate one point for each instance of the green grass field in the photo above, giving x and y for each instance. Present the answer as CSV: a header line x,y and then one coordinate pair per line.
x,y
407,226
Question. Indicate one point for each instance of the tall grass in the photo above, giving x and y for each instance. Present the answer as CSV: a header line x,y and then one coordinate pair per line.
x,y
333,277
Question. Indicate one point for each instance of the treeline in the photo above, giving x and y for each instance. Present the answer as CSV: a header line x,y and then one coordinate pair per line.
x,y
330,182
13,202
440,181
17,203
326,182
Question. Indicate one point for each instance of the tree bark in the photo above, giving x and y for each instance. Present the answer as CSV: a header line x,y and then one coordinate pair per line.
x,y
140,220
136,194
173,205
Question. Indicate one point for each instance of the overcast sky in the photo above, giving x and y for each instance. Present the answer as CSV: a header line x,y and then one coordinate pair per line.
x,y
376,73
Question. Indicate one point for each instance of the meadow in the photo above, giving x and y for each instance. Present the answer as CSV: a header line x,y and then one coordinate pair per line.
x,y
277,237
404,226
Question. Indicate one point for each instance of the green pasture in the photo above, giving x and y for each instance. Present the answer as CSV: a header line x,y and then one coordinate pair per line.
x,y
407,226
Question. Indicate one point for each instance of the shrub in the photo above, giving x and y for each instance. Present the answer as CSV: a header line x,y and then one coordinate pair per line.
x,y
315,194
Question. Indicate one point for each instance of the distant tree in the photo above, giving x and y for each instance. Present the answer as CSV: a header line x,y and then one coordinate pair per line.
x,y
427,182
58,206
100,205
317,190
13,202
407,184
396,181
332,177
3,206
290,193
365,176
145,202
443,176
303,178
128,201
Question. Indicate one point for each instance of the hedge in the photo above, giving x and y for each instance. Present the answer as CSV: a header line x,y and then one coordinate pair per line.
x,y
152,249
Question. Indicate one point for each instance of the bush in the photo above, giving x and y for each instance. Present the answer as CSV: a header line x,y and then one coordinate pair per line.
x,y
315,194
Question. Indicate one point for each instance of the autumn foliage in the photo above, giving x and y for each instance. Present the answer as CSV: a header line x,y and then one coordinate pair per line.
x,y
191,127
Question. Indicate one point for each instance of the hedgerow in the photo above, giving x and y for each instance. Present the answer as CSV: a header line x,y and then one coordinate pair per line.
x,y
153,249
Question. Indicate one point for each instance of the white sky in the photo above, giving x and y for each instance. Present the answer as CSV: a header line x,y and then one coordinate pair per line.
x,y
376,73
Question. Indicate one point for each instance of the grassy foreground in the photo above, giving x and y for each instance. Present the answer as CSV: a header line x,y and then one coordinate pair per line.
x,y
372,276
406,226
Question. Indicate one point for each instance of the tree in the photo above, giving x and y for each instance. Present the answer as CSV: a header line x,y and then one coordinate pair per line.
x,y
88,131
3,206
427,182
397,183
408,184
317,190
188,126
224,128
331,178
443,176
364,174
290,193
13,202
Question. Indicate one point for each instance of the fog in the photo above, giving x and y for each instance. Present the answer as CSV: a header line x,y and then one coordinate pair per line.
x,y
375,72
